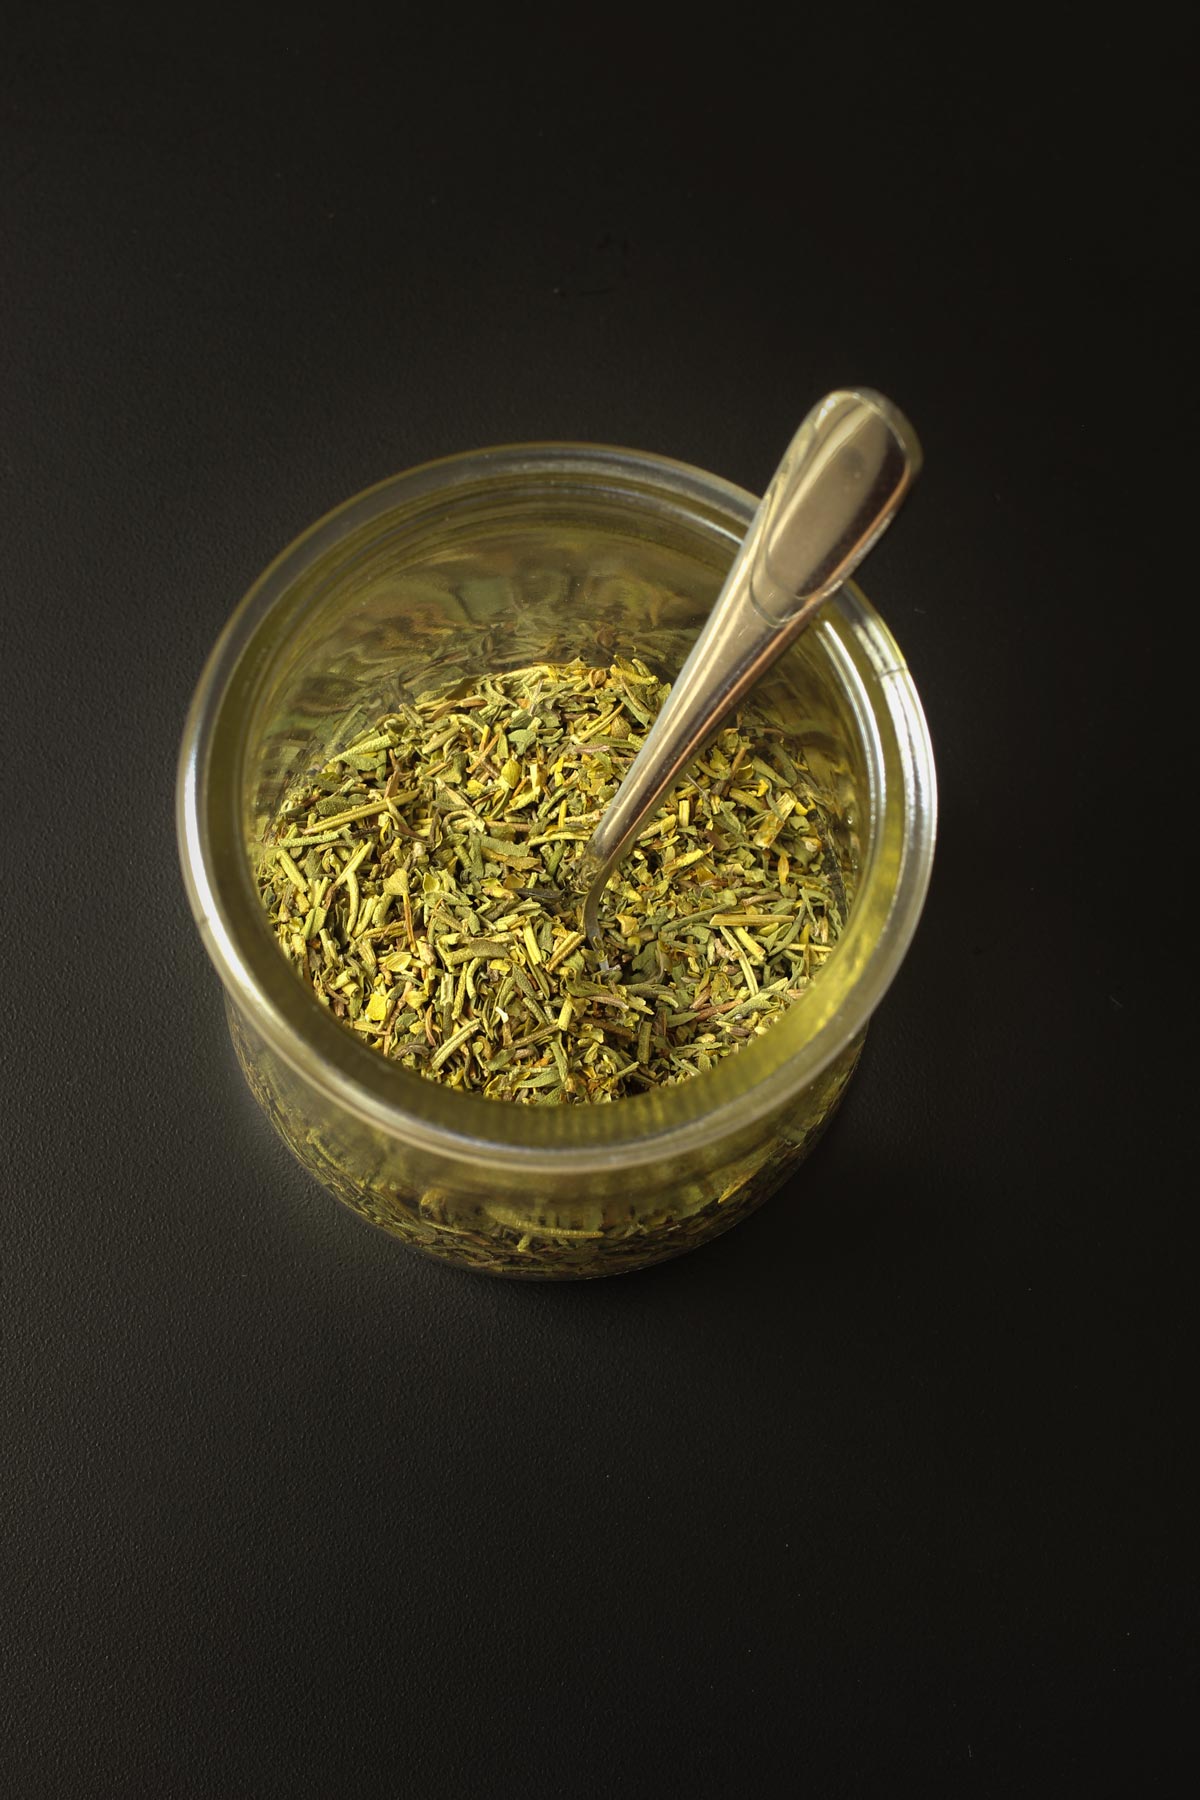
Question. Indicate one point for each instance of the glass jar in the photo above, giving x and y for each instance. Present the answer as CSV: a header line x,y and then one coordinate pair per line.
x,y
490,561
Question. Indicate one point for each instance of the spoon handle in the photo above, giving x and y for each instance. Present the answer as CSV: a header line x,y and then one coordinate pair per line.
x,y
837,488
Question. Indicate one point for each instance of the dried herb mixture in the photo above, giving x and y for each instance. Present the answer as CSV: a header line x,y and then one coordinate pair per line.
x,y
417,883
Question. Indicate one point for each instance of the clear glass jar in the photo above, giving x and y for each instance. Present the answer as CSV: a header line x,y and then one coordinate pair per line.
x,y
492,560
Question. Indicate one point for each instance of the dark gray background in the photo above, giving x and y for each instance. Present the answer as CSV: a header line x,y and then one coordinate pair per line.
x,y
889,1486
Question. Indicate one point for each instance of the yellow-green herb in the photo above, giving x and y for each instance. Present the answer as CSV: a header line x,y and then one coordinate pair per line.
x,y
422,883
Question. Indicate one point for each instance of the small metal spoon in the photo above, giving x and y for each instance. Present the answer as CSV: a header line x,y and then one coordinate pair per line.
x,y
837,488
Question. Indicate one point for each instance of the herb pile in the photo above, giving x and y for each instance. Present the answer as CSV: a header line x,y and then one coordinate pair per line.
x,y
423,883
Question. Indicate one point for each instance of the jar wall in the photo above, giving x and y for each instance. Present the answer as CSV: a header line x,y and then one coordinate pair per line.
x,y
488,563
545,1228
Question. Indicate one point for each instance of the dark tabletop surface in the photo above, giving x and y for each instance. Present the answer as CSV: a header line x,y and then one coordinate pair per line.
x,y
886,1491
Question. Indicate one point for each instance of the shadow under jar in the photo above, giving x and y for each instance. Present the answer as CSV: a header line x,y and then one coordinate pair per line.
x,y
479,564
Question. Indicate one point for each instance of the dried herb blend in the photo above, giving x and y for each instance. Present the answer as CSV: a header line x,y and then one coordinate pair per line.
x,y
421,883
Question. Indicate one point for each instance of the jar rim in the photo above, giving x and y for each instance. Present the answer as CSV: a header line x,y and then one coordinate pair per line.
x,y
559,1140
